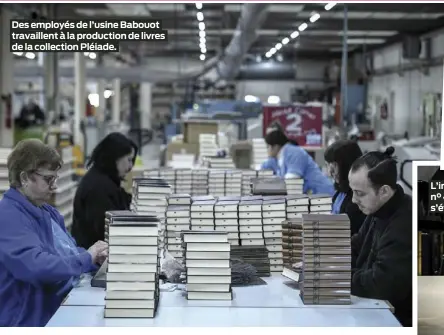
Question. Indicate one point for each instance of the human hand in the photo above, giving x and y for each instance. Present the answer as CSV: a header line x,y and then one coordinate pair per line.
x,y
97,251
102,256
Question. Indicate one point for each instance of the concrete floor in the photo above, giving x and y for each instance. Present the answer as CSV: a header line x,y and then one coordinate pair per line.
x,y
431,305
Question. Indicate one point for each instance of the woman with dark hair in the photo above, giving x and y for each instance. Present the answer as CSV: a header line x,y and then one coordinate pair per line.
x,y
288,160
339,157
100,189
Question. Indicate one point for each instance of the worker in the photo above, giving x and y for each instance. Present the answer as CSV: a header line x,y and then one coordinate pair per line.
x,y
39,260
100,189
382,249
289,160
339,157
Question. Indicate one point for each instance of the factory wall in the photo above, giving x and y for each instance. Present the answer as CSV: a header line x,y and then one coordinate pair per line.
x,y
403,91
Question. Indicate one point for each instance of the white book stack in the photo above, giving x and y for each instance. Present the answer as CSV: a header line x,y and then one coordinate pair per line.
x,y
151,173
320,204
227,218
177,220
132,277
199,182
207,263
233,182
260,153
265,173
222,163
202,213
294,185
4,181
150,198
216,183
247,175
208,145
183,181
170,176
250,221
297,205
273,214
63,197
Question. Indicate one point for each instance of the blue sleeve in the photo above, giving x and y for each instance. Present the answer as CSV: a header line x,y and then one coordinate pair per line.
x,y
295,160
270,164
22,253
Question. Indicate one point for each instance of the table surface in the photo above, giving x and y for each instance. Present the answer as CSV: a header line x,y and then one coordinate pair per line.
x,y
430,305
274,304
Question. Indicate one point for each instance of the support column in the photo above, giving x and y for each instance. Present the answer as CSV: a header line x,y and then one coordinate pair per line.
x,y
101,85
116,102
80,95
145,104
51,77
6,82
344,65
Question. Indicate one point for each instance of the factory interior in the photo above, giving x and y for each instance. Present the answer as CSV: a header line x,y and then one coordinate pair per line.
x,y
204,99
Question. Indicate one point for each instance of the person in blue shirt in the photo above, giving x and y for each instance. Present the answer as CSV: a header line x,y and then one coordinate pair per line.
x,y
39,260
288,160
339,157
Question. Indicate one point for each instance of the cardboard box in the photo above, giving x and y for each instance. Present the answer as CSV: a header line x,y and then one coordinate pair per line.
x,y
193,128
181,148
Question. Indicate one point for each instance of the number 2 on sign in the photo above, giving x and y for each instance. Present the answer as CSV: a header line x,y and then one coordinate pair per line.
x,y
294,125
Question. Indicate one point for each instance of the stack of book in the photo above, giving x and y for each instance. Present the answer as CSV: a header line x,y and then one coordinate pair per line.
x,y
177,220
292,247
223,163
150,198
294,185
216,183
226,218
208,145
233,182
297,205
169,175
184,181
199,184
256,256
250,221
132,277
320,204
207,263
247,176
327,260
202,213
260,153
264,173
273,214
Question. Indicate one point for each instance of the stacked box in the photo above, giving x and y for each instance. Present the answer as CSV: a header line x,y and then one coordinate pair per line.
x,y
132,277
227,219
177,220
202,213
216,183
320,204
233,182
207,263
292,242
199,182
326,267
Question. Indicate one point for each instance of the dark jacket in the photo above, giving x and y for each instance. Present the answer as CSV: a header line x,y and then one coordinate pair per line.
x,y
96,194
382,256
352,210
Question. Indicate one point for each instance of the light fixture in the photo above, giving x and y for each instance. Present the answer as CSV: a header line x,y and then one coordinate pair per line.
x,y
202,57
18,53
303,26
94,99
198,5
285,40
200,16
314,17
250,98
107,94
202,40
30,55
92,55
201,26
273,51
268,54
279,58
86,54
278,46
258,58
273,99
203,50
201,45
330,5
294,34
202,33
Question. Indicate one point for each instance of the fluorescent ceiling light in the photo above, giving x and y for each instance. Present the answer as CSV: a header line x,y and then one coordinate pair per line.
x,y
303,26
279,58
330,5
201,45
273,99
30,55
202,40
202,33
198,5
92,55
201,26
202,57
94,99
273,51
107,94
251,98
294,34
200,16
278,46
268,54
203,50
18,53
285,40
314,17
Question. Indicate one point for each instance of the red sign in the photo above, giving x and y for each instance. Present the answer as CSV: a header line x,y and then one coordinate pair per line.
x,y
300,123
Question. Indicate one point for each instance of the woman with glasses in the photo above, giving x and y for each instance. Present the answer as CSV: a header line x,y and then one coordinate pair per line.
x,y
339,157
39,261
100,189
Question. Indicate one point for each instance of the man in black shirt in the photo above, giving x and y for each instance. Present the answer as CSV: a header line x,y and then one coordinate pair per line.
x,y
382,249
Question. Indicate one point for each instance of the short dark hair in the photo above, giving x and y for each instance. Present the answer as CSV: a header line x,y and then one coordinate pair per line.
x,y
276,137
382,169
28,156
344,153
276,125
109,150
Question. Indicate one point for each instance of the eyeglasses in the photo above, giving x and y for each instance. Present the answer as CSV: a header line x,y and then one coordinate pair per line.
x,y
50,180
